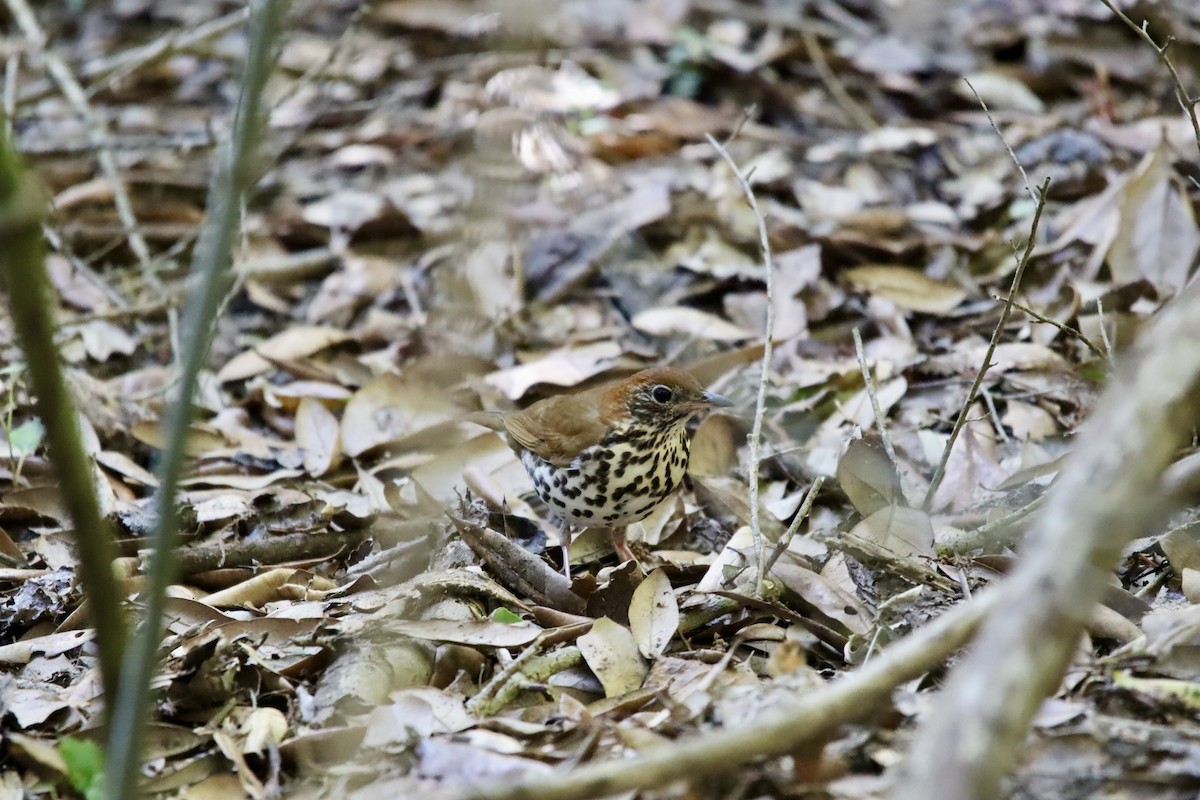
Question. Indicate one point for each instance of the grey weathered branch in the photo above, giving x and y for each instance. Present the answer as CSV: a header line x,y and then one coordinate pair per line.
x,y
1109,490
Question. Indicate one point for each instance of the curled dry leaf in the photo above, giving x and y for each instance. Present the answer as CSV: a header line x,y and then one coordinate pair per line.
x,y
612,654
906,287
653,614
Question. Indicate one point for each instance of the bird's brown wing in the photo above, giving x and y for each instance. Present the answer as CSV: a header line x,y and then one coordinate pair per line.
x,y
558,428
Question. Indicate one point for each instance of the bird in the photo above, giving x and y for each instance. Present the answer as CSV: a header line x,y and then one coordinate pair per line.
x,y
606,456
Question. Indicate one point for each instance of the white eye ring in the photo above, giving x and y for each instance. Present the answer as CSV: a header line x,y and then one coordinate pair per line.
x,y
662,394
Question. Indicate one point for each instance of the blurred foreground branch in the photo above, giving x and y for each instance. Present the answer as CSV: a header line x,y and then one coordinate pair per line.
x,y
23,270
1109,490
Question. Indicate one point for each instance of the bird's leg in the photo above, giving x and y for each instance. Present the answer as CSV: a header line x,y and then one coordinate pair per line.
x,y
617,535
565,536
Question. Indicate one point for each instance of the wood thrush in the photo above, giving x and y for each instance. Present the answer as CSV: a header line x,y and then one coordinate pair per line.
x,y
605,457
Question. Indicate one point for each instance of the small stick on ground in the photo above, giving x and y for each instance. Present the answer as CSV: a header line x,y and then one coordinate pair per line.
x,y
760,402
1067,329
837,90
1005,314
874,398
1011,154
805,507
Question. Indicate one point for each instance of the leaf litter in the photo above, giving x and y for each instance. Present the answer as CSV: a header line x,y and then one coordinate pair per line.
x,y
465,211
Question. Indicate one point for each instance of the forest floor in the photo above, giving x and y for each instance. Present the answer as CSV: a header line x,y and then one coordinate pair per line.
x,y
470,205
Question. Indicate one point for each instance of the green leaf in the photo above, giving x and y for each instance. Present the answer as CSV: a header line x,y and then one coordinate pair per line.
x,y
25,439
505,616
85,766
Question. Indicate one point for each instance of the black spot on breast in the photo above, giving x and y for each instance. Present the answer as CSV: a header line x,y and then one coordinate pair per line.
x,y
586,513
619,472
557,501
654,484
610,517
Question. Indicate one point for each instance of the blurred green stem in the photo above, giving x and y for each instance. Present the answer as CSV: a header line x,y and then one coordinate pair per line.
x,y
233,176
23,268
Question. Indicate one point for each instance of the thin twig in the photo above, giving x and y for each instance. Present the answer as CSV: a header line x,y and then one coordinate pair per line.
x,y
993,414
1007,146
1067,329
760,402
232,178
992,534
804,722
97,130
1186,101
1005,314
812,46
873,396
801,514
1108,348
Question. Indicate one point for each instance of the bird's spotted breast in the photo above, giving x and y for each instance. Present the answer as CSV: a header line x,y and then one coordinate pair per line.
x,y
615,483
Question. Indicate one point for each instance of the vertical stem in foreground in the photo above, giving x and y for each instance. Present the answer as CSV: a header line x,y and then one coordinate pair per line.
x,y
233,176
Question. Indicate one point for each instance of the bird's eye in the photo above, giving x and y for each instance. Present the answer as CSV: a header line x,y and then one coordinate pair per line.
x,y
661,394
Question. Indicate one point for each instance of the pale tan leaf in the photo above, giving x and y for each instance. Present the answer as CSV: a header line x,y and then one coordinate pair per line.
x,y
653,614
824,595
906,287
317,433
691,322
566,367
1157,238
904,531
390,407
474,632
295,342
612,654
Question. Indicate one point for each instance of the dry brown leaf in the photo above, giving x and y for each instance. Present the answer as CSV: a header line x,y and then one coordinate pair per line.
x,y
476,632
296,342
824,595
1156,238
691,322
567,367
906,287
390,407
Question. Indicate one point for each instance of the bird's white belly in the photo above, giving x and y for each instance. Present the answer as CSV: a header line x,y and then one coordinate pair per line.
x,y
610,486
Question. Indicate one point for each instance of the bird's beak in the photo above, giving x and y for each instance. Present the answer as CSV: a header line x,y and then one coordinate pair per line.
x,y
714,400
